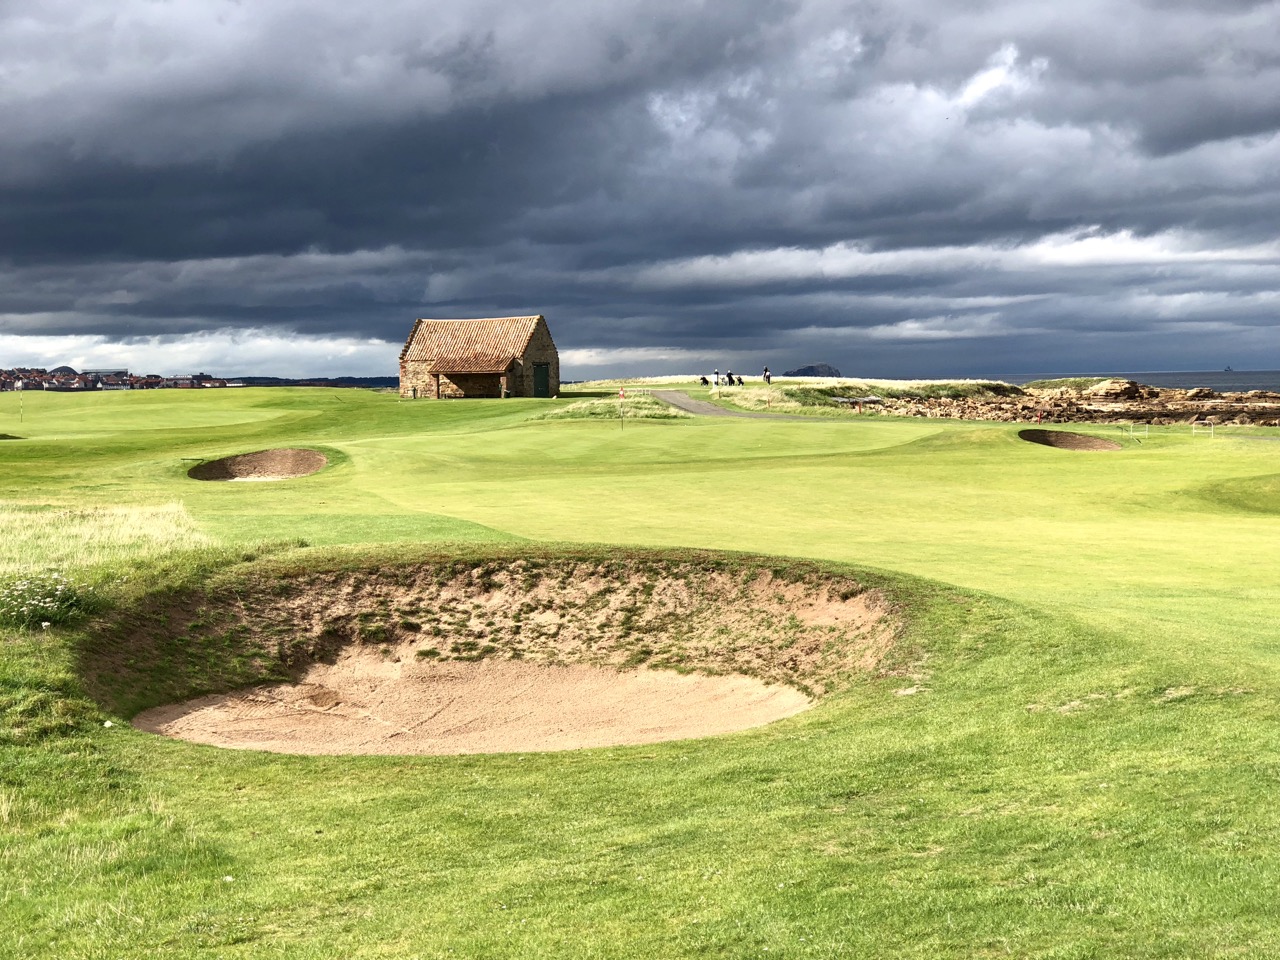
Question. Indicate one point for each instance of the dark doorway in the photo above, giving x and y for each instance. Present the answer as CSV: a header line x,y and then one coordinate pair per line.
x,y
542,379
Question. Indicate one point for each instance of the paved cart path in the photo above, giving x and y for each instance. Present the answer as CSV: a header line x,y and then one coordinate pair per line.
x,y
702,408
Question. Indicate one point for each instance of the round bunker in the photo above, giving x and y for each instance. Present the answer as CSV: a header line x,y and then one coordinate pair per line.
x,y
1065,440
367,704
510,655
284,464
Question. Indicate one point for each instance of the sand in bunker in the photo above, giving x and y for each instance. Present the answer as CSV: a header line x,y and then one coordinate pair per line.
x,y
283,464
1065,440
364,704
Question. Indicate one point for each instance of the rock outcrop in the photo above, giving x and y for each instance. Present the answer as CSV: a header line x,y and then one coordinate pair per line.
x,y
1115,390
813,370
1113,401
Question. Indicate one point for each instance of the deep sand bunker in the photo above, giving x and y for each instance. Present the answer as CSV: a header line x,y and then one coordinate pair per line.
x,y
363,704
1065,440
285,464
527,655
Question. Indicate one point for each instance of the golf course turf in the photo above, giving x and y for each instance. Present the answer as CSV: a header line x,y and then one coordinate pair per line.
x,y
1067,747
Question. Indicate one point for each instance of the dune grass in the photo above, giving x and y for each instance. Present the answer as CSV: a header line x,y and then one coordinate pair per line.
x,y
1069,755
1065,383
822,398
638,407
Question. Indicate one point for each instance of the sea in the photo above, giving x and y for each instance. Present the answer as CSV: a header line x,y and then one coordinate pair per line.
x,y
1223,381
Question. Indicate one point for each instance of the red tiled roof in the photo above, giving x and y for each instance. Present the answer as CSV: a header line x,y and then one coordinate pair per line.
x,y
469,346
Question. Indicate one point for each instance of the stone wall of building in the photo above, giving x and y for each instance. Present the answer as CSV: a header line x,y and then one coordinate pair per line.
x,y
461,385
416,382
541,349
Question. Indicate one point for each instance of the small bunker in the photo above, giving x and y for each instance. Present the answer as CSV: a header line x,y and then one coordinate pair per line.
x,y
504,655
285,464
1066,440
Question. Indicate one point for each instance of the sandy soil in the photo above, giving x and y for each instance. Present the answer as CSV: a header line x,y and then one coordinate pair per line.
x,y
1065,440
509,654
809,633
283,464
365,703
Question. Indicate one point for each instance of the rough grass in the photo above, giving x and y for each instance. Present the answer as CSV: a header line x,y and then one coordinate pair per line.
x,y
761,398
43,538
814,401
1078,384
638,407
792,397
952,391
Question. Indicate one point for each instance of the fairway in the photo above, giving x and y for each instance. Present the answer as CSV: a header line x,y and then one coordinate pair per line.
x,y
1069,750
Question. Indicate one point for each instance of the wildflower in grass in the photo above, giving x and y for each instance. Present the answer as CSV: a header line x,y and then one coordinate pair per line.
x,y
42,599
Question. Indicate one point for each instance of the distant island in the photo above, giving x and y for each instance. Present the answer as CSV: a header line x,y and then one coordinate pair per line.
x,y
813,370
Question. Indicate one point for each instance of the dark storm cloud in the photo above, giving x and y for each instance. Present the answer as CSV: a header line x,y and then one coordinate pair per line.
x,y
895,185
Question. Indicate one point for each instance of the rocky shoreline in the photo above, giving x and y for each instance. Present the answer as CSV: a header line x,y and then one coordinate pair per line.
x,y
1111,401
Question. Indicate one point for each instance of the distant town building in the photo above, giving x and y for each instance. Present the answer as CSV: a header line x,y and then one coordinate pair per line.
x,y
65,380
491,357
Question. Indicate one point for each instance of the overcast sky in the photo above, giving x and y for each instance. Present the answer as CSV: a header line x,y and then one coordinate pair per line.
x,y
906,188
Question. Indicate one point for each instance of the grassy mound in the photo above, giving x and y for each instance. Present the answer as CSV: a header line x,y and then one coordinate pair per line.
x,y
640,407
1245,494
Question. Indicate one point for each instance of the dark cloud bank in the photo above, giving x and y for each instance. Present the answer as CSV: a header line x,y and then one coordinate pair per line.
x,y
896,188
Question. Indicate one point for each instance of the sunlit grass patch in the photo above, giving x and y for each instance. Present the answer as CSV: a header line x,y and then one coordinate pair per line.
x,y
41,538
612,408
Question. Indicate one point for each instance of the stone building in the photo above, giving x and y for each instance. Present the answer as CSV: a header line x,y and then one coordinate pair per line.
x,y
495,357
